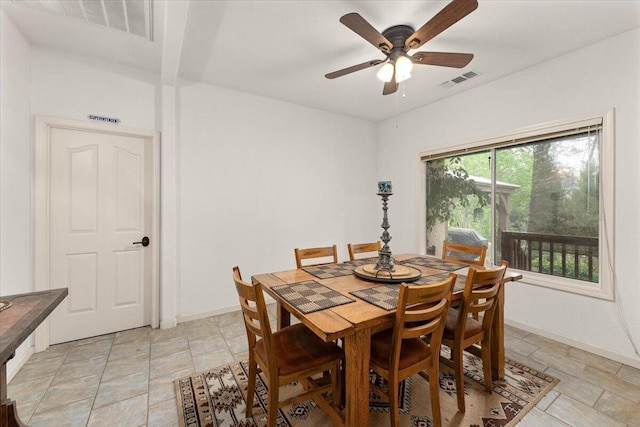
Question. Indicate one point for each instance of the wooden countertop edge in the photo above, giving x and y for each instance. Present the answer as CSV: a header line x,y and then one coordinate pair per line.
x,y
14,336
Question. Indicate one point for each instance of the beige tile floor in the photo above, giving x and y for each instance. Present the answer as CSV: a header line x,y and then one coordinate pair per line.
x,y
126,379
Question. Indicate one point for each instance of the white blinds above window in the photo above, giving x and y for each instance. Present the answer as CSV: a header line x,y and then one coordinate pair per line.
x,y
522,136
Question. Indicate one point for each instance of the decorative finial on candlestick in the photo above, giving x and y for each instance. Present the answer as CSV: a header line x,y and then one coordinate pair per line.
x,y
385,261
385,270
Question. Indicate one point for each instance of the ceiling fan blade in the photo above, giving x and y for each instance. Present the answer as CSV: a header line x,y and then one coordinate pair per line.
x,y
452,13
390,86
360,26
353,68
442,59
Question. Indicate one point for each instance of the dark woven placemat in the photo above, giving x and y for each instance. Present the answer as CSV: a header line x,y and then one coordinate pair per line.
x,y
436,263
346,268
436,278
310,296
386,296
329,271
363,261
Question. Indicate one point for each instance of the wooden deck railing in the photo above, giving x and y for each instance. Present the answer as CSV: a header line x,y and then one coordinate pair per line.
x,y
565,256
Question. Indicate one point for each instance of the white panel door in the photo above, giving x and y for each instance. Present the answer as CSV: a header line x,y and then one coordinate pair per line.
x,y
100,186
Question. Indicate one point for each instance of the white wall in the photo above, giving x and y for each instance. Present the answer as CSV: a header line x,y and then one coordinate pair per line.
x,y
72,87
40,81
260,177
244,145
16,171
593,79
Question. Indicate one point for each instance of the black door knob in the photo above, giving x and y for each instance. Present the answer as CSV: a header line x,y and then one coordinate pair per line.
x,y
144,242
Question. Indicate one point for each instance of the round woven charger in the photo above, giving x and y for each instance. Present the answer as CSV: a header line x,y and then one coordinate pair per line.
x,y
402,273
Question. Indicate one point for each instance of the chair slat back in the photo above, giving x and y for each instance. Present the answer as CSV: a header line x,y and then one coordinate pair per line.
x,y
310,253
360,248
480,295
254,312
456,252
480,300
421,311
416,323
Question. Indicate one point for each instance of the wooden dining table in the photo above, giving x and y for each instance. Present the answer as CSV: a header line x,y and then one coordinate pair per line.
x,y
354,322
20,316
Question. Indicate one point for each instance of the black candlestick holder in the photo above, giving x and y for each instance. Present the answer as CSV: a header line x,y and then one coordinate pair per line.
x,y
385,260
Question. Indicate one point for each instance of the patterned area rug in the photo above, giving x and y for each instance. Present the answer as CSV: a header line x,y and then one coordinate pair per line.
x,y
217,398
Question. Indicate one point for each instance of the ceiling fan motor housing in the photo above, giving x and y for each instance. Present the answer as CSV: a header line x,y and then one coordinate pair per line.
x,y
397,35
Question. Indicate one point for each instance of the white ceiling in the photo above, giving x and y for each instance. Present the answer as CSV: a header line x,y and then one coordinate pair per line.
x,y
283,49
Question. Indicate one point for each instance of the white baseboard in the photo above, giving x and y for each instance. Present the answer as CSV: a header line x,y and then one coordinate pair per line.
x,y
168,324
196,316
16,364
577,344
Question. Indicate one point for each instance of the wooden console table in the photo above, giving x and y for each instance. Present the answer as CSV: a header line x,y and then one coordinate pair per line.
x,y
16,324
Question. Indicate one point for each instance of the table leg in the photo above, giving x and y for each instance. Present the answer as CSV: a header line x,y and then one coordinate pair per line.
x,y
8,412
284,317
357,348
497,338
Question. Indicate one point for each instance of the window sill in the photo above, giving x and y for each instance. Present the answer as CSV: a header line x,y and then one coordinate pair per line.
x,y
595,290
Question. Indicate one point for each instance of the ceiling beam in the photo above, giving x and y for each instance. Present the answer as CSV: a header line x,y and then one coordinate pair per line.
x,y
175,22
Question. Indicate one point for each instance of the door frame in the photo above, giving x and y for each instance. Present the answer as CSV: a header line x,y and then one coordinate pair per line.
x,y
42,214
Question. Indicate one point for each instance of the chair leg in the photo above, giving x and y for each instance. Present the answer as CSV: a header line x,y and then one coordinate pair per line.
x,y
459,372
434,389
251,386
486,365
336,384
394,389
272,402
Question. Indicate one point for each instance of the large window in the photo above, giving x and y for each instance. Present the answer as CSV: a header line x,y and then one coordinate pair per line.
x,y
539,198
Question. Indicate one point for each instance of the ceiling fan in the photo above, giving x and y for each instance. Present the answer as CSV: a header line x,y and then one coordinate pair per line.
x,y
395,42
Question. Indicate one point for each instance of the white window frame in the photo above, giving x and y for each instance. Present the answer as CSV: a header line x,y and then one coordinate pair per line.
x,y
605,288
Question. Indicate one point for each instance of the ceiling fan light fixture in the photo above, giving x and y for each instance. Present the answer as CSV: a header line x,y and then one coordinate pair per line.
x,y
403,68
396,41
385,73
402,77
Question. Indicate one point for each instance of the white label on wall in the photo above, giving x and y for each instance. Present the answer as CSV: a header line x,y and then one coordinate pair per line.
x,y
103,119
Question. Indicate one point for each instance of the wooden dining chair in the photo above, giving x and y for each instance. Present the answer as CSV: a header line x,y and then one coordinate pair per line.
x,y
460,252
360,248
399,353
291,354
309,253
462,331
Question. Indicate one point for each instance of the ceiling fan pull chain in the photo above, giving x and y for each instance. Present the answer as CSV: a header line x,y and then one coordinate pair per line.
x,y
404,95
